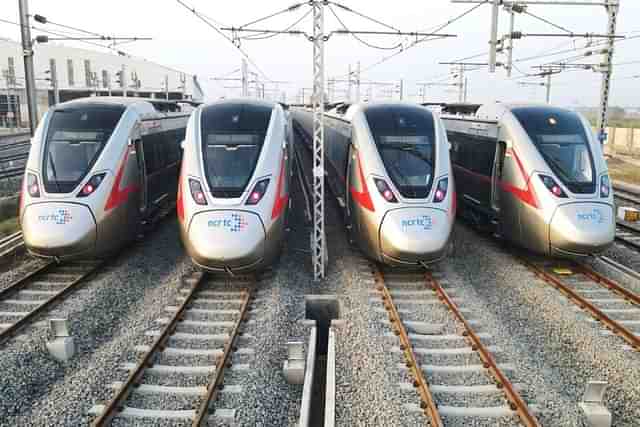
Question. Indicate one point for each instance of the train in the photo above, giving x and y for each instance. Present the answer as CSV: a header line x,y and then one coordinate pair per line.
x,y
233,196
532,174
388,166
98,170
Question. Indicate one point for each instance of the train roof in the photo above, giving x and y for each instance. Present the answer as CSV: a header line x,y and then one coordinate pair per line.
x,y
159,105
254,102
490,111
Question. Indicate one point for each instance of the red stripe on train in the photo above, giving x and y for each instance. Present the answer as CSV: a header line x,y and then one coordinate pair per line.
x,y
281,201
118,196
179,198
362,197
527,195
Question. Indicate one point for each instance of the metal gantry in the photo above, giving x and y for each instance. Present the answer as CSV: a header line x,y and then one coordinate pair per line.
x,y
318,37
29,73
612,12
318,238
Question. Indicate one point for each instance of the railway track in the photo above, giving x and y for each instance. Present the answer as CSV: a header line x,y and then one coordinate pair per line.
x,y
11,244
179,376
627,233
616,308
38,291
436,356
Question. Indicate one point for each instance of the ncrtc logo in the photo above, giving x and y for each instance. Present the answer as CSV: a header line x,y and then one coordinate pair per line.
x,y
234,224
425,222
61,216
595,215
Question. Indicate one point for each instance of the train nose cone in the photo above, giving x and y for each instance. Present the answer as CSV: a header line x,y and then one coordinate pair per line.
x,y
58,229
226,239
412,235
582,228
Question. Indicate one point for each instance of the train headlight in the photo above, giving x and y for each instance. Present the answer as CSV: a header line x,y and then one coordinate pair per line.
x,y
92,185
32,185
196,192
552,186
385,191
441,190
605,186
258,192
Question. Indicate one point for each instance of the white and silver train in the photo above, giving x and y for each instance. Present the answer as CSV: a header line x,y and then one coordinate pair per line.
x,y
98,168
233,194
388,165
534,174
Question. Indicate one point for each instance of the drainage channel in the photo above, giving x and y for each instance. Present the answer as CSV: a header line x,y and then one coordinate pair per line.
x,y
319,388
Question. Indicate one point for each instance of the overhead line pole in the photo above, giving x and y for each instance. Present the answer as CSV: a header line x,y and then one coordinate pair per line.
x,y
29,73
494,35
319,37
612,12
318,240
612,7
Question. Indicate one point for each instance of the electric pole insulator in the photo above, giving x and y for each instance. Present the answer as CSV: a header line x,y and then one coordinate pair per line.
x,y
516,35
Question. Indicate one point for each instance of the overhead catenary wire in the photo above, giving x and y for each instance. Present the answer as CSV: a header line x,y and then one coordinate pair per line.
x,y
355,12
268,36
229,39
355,36
546,21
69,27
280,12
424,39
59,34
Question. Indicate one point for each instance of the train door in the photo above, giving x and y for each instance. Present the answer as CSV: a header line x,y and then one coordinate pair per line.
x,y
496,179
481,162
136,143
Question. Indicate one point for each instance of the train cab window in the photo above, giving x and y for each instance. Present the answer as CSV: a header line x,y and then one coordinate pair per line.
x,y
560,137
75,138
232,138
405,139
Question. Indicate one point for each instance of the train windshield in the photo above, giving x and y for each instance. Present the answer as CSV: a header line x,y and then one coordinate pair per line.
x,y
405,139
232,139
561,139
76,137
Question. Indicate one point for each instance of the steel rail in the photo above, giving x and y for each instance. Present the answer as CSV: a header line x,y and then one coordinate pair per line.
x,y
116,404
11,244
516,402
202,415
22,282
609,284
626,270
615,327
624,240
626,196
427,402
13,157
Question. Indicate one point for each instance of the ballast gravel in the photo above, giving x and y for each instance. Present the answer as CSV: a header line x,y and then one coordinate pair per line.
x,y
555,348
107,314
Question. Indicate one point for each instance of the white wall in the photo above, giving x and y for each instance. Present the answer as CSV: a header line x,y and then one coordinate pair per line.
x,y
151,75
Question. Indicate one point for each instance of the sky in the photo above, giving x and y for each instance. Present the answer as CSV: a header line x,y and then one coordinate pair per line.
x,y
183,41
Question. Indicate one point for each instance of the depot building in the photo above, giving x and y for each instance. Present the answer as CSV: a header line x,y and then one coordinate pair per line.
x,y
64,73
